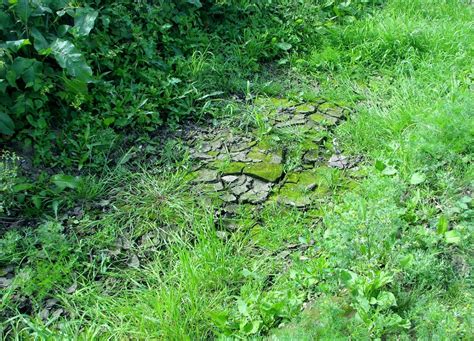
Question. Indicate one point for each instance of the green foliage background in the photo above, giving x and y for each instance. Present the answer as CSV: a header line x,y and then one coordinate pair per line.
x,y
75,75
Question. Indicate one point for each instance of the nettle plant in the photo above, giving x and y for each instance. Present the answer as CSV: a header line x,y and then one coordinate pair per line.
x,y
40,63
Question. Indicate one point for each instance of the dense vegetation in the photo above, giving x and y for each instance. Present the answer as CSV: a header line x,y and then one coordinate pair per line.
x,y
101,235
76,79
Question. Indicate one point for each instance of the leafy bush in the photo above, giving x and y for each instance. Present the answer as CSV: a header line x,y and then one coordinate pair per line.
x,y
73,76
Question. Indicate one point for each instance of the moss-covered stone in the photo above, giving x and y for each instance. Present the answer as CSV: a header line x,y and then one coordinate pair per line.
x,y
205,175
319,118
265,144
308,179
212,187
232,168
311,156
292,178
256,155
227,168
242,146
269,172
300,188
309,144
332,109
305,109
291,194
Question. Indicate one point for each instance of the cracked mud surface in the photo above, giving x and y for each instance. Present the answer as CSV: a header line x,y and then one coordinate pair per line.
x,y
238,167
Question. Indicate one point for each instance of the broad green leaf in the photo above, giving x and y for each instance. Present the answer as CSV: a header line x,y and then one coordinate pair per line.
x,y
71,59
417,178
250,327
196,3
109,120
389,170
284,46
20,65
3,86
65,181
407,261
443,225
63,29
348,277
23,10
452,237
11,77
22,187
27,69
37,201
7,127
379,165
386,300
39,41
5,21
84,20
75,86
242,306
15,45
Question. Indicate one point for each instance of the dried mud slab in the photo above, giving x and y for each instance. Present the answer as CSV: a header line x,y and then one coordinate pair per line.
x,y
235,167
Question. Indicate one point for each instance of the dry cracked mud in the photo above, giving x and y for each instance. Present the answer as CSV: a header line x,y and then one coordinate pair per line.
x,y
237,167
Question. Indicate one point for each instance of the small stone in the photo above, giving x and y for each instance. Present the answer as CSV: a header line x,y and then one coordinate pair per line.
x,y
213,153
205,147
213,187
275,158
242,179
305,109
229,178
299,117
332,109
5,282
292,195
202,156
44,314
254,197
228,197
238,190
292,178
256,156
290,123
231,208
311,156
242,146
134,262
206,175
282,117
222,235
51,302
319,118
269,172
240,157
335,112
261,186
339,161
57,313
72,288
233,168
216,145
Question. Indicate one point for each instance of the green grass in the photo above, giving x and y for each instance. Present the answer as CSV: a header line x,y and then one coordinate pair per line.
x,y
390,257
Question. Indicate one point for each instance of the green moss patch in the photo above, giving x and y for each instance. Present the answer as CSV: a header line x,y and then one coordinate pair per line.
x,y
269,172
